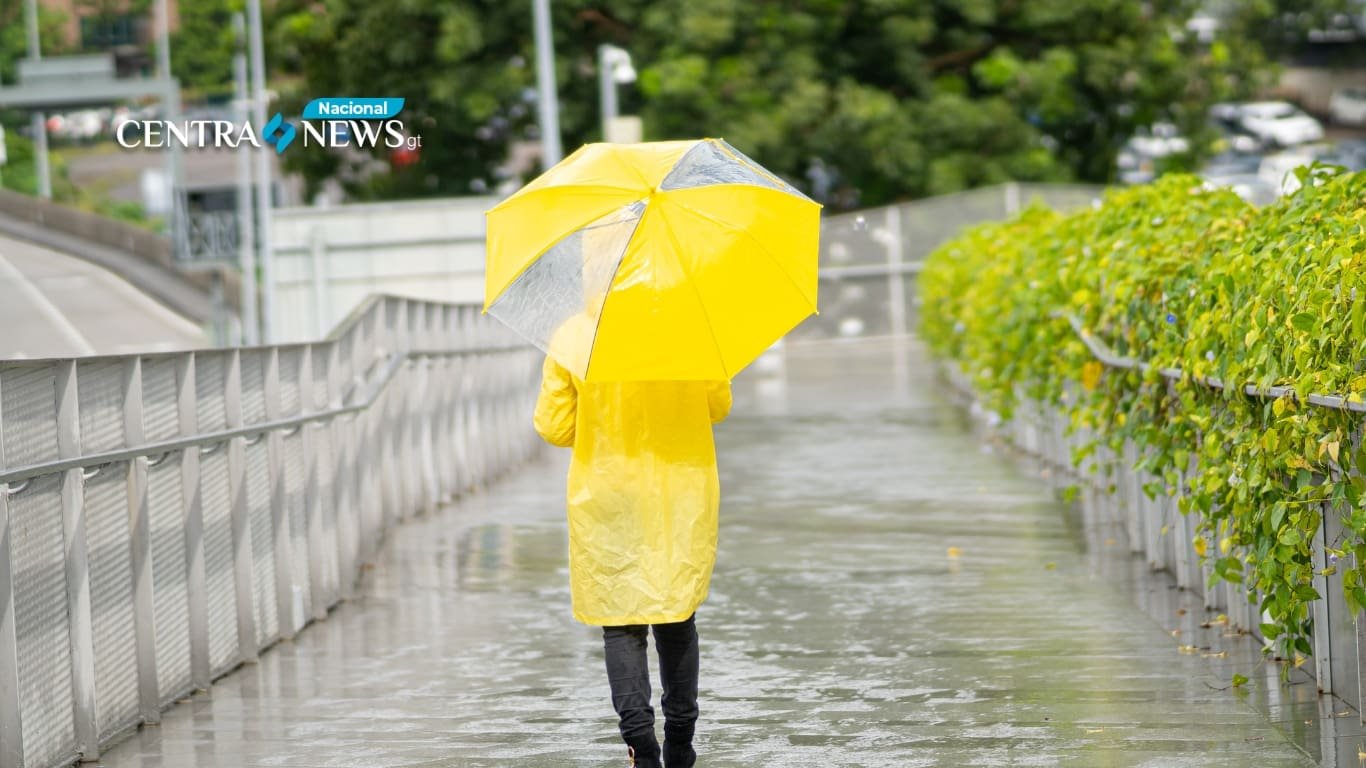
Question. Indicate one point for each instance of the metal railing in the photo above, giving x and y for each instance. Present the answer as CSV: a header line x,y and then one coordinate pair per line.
x,y
1113,491
165,517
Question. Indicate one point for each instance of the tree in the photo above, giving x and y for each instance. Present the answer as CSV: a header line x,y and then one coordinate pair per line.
x,y
14,36
893,98
203,45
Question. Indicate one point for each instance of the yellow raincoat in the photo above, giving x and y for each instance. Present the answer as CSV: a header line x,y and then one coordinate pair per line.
x,y
643,492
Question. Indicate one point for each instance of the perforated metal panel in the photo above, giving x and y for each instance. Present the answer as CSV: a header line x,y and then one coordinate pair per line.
x,y
160,417
42,628
296,506
224,653
100,388
322,367
28,412
111,599
170,595
210,373
262,545
253,386
290,396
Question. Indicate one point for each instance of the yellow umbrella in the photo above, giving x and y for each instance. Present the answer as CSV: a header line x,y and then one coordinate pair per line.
x,y
677,260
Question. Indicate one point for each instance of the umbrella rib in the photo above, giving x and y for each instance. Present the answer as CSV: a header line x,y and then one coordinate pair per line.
x,y
711,329
532,261
593,348
749,236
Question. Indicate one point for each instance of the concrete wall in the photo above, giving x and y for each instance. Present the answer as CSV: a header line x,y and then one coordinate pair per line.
x,y
328,260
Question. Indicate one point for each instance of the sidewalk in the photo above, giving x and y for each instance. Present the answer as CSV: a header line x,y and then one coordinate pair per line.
x,y
889,592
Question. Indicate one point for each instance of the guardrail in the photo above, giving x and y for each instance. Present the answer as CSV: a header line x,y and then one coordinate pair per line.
x,y
165,517
126,237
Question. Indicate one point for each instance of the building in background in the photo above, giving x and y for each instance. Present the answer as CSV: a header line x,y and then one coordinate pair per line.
x,y
125,28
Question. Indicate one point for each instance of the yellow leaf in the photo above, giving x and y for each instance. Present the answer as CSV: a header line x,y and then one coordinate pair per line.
x,y
1333,449
1051,566
955,553
1299,660
1090,375
1200,545
1225,544
1163,532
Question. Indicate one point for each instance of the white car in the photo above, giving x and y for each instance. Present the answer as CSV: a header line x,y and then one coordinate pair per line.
x,y
1280,123
1347,106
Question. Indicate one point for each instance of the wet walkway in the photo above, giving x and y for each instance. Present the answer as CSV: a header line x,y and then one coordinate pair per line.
x,y
890,592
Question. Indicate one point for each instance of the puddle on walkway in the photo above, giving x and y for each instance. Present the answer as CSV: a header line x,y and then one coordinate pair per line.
x,y
889,591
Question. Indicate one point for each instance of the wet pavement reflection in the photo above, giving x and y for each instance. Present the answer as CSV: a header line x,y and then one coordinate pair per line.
x,y
891,590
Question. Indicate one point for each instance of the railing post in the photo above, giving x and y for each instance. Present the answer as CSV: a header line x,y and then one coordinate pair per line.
x,y
1323,635
429,484
313,436
896,282
77,563
11,731
343,493
247,639
11,721
140,528
285,590
192,501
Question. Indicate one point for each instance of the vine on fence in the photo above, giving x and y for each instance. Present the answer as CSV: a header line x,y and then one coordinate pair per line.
x,y
1182,276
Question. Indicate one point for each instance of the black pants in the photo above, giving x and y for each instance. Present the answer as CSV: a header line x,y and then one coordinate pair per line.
x,y
629,675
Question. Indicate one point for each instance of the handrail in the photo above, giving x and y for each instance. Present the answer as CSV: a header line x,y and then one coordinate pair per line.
x,y
381,382
1105,355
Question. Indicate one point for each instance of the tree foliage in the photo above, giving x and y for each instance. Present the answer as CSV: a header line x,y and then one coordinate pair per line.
x,y
203,45
890,98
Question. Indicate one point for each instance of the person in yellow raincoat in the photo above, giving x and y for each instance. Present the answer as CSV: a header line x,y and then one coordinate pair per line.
x,y
642,497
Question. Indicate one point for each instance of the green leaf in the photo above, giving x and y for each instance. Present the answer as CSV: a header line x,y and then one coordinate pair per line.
x,y
1239,680
1304,322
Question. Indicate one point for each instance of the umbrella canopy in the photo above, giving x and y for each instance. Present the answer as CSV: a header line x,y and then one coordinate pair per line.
x,y
679,260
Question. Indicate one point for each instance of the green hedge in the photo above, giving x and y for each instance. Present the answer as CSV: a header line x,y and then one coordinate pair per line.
x,y
1181,276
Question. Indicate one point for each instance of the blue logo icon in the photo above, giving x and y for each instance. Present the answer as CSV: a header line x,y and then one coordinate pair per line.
x,y
285,136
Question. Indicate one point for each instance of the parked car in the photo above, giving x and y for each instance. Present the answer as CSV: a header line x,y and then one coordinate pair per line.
x,y
1138,159
1248,186
1230,162
1278,169
1280,123
1347,106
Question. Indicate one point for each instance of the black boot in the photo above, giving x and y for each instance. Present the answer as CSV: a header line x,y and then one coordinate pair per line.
x,y
679,754
644,755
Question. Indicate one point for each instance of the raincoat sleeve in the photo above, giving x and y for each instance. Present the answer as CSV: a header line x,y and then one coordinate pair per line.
x,y
718,400
557,405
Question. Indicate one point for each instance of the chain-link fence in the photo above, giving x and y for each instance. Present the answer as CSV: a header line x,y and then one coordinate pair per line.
x,y
164,518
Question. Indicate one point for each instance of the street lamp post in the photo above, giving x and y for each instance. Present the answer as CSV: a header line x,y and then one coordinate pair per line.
x,y
39,119
256,50
547,102
614,67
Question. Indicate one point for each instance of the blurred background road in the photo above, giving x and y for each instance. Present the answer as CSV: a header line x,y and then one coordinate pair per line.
x,y
55,305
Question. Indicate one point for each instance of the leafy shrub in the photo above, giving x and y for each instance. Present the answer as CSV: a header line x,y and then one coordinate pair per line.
x,y
1194,279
